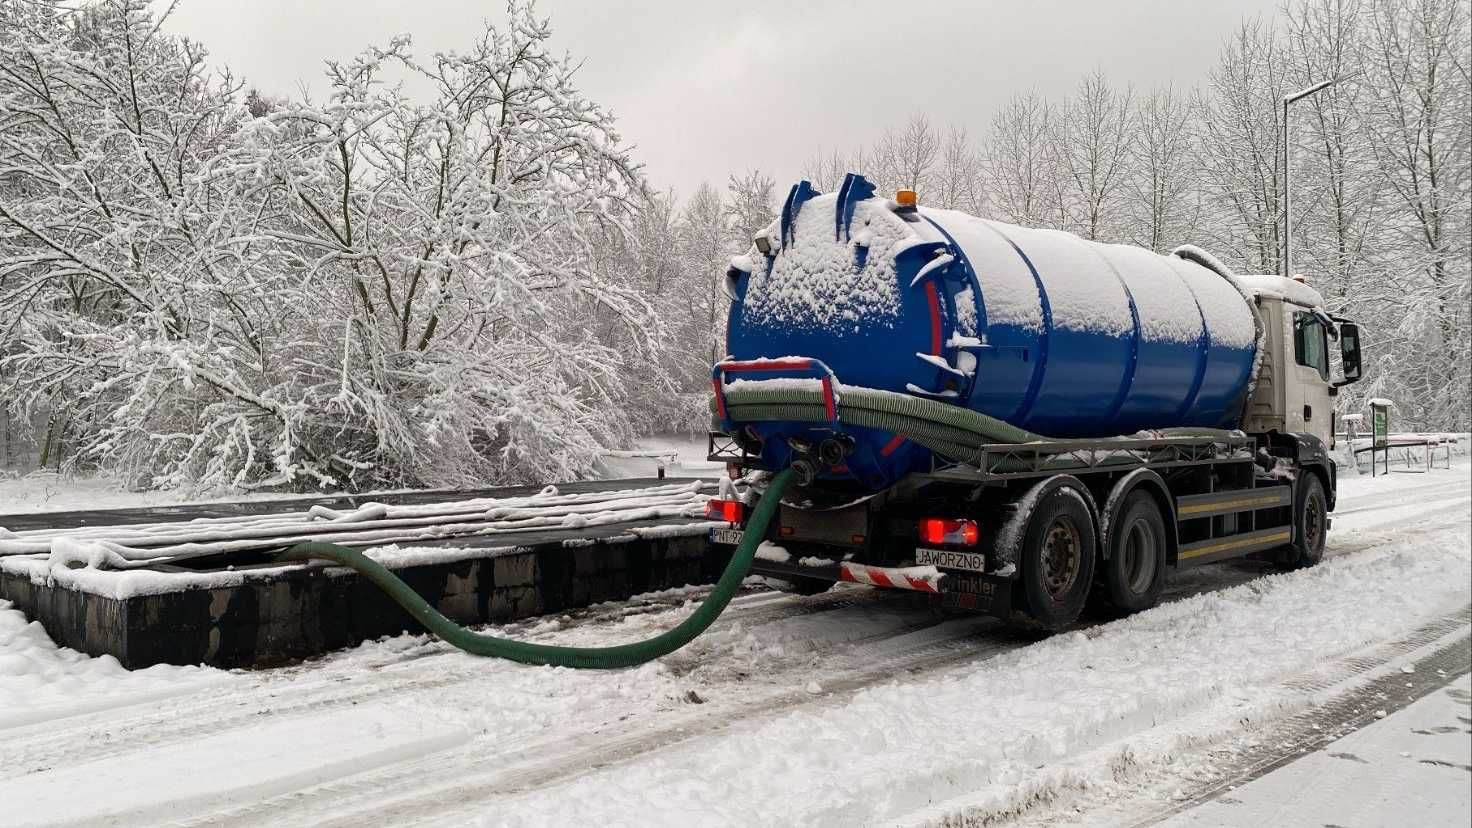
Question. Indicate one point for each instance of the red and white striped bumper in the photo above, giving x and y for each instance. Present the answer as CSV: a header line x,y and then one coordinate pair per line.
x,y
917,578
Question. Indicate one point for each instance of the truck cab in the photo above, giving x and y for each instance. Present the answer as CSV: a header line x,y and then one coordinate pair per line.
x,y
1294,390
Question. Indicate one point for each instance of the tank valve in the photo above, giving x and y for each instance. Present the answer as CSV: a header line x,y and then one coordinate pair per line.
x,y
803,472
832,451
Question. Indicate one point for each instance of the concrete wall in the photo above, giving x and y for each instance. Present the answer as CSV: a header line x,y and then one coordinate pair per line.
x,y
307,612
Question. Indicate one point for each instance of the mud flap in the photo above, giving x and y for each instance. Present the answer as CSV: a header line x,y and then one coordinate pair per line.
x,y
977,593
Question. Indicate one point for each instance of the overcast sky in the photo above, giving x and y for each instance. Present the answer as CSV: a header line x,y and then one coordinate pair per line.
x,y
705,88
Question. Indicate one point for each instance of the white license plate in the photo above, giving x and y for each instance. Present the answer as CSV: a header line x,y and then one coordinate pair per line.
x,y
731,536
947,559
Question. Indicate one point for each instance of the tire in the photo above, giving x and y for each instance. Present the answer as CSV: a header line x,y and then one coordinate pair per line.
x,y
1057,561
1310,522
1131,578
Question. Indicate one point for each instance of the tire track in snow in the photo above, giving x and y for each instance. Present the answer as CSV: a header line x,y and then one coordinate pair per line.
x,y
559,761
340,682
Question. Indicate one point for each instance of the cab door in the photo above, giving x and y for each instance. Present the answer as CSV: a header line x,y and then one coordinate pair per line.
x,y
1309,407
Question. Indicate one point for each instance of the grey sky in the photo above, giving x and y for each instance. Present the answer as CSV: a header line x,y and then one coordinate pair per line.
x,y
705,88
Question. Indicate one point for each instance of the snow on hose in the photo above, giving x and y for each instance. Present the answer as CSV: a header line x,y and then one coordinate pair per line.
x,y
595,658
949,430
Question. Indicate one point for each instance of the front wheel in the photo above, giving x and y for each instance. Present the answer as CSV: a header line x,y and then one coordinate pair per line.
x,y
1057,560
1310,522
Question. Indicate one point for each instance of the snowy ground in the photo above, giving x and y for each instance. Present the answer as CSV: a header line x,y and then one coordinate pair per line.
x,y
682,455
852,707
1410,768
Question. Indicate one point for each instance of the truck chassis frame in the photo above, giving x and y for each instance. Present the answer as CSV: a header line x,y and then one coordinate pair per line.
x,y
1221,497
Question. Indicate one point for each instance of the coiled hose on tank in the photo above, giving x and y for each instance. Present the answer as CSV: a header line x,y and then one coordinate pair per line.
x,y
952,431
596,658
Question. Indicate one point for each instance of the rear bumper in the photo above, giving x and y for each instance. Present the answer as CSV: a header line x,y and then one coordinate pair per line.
x,y
974,592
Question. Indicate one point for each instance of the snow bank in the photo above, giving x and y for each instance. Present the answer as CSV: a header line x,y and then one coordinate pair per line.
x,y
40,681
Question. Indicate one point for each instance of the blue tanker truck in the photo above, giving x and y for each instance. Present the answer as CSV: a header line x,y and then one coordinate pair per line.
x,y
1018,421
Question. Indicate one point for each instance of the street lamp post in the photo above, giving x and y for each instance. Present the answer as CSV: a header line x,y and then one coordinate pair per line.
x,y
1288,174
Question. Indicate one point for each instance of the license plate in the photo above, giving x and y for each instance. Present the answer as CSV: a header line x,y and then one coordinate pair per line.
x,y
947,559
731,536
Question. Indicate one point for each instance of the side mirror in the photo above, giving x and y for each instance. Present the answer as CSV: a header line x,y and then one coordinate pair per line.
x,y
1349,352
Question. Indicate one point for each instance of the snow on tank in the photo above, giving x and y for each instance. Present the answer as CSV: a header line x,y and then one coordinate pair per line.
x,y
1040,328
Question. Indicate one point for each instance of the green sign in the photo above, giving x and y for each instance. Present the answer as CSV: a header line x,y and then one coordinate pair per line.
x,y
1380,423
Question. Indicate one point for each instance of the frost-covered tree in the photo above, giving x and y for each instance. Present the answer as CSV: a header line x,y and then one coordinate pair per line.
x,y
750,207
906,157
706,245
1161,195
362,291
1419,118
1241,148
826,170
1091,144
956,183
1021,172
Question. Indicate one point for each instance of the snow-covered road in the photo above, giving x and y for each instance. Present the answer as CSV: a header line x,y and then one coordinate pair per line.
x,y
855,706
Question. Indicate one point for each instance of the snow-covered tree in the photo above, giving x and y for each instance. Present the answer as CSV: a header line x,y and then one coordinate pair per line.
x,y
750,206
1091,144
1161,195
364,291
906,157
1419,119
1241,148
1021,172
956,183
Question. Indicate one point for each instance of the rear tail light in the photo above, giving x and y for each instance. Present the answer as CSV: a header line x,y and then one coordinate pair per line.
x,y
730,511
949,531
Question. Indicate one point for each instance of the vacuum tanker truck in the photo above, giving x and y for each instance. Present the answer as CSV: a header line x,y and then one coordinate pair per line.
x,y
1017,421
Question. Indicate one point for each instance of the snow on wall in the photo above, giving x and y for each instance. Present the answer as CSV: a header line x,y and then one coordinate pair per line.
x,y
813,283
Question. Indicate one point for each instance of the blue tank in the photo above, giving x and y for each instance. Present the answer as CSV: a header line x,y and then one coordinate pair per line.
x,y
1051,333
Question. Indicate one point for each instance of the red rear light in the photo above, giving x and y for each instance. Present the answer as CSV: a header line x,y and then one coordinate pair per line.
x,y
730,511
949,531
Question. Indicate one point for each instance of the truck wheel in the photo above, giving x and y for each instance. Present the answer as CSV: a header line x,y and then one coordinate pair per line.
x,y
1057,558
1131,578
1310,522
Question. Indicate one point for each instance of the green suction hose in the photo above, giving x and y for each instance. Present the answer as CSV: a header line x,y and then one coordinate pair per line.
x,y
596,658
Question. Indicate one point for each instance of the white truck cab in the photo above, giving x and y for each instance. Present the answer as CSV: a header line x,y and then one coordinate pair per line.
x,y
1294,388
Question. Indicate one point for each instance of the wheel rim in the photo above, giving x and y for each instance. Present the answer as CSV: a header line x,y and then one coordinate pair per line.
x,y
1061,553
1139,556
1313,524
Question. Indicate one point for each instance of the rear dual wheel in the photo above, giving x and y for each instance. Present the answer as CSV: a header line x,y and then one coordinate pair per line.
x,y
1056,561
1131,578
